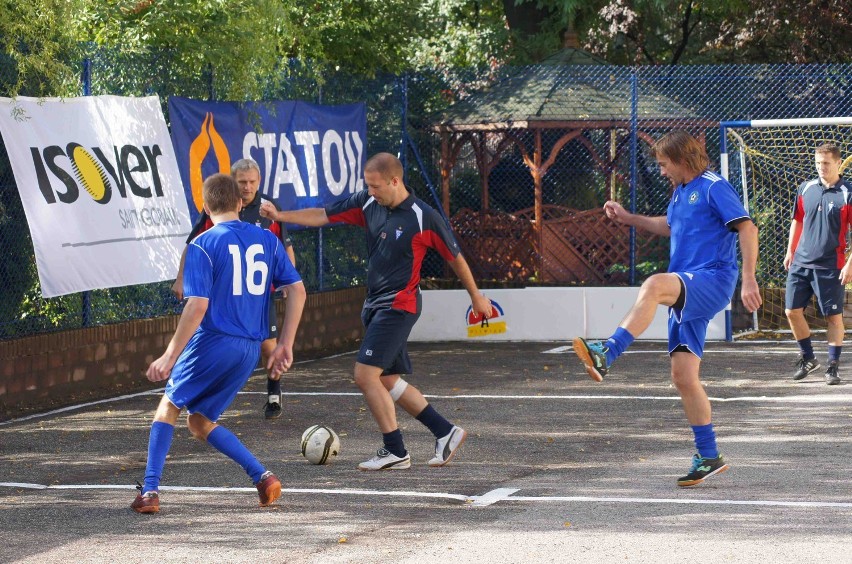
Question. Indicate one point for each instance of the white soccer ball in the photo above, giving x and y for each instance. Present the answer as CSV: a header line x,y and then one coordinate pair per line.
x,y
320,444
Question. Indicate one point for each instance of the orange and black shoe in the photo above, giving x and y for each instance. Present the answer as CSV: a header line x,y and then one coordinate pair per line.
x,y
593,355
703,468
148,502
268,488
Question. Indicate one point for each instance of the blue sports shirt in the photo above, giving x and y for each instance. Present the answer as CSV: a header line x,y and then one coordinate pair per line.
x,y
232,265
701,216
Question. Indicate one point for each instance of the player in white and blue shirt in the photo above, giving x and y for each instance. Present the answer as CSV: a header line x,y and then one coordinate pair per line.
x,y
704,219
216,345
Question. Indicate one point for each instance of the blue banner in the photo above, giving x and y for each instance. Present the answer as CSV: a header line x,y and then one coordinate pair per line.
x,y
309,155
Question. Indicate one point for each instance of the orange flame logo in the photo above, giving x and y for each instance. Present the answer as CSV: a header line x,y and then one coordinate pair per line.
x,y
198,150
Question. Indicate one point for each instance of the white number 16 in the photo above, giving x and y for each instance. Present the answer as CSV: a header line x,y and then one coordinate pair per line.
x,y
252,269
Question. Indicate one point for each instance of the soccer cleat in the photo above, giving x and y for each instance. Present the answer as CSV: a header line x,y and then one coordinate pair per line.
x,y
272,409
385,460
593,356
805,367
702,468
148,502
446,447
831,377
268,488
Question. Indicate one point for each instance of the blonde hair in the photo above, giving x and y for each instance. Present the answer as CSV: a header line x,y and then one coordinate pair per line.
x,y
682,149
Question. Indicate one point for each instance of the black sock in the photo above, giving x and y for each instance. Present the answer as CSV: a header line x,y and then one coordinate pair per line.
x,y
273,387
436,423
393,443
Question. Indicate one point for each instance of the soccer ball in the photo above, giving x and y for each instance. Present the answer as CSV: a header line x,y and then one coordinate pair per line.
x,y
320,444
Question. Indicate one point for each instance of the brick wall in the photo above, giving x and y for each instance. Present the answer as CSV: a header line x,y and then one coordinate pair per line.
x,y
52,370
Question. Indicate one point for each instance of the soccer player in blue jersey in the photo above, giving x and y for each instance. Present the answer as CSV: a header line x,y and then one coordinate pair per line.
x,y
217,341
400,228
816,260
703,220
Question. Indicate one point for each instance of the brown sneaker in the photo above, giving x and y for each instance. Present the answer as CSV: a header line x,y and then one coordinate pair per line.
x,y
148,502
268,489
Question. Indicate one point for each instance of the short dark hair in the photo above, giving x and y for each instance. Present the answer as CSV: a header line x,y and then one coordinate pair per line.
x,y
385,164
221,193
829,149
683,149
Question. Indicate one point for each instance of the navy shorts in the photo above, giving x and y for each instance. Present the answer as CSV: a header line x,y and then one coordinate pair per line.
x,y
210,371
824,283
706,293
386,338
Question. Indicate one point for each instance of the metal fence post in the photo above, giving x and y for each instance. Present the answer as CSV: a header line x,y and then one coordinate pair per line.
x,y
86,306
634,145
320,239
403,119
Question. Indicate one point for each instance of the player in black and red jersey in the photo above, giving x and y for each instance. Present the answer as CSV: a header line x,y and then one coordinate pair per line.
x,y
246,172
400,228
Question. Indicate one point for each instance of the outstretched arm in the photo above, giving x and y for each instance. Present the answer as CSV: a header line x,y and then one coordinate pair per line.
x,y
656,225
481,305
311,217
748,247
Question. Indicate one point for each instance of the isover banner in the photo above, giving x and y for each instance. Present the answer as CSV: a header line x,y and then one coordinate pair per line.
x,y
100,188
309,155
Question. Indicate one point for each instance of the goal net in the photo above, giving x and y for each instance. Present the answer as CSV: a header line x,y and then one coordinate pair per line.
x,y
767,160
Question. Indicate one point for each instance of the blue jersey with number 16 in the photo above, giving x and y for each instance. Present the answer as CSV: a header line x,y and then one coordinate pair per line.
x,y
232,265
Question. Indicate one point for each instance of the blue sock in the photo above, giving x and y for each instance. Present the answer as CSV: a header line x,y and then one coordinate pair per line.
x,y
436,423
834,352
806,347
159,443
273,387
617,344
393,443
228,444
705,441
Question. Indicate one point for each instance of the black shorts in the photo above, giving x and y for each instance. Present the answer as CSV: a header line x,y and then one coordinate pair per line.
x,y
824,283
273,319
386,338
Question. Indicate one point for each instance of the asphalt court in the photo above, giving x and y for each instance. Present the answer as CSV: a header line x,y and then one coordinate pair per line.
x,y
557,468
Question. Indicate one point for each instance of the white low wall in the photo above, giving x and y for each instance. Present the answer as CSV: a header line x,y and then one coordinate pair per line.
x,y
540,314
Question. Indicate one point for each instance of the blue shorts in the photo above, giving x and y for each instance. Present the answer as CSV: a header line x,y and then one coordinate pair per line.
x,y
824,283
706,293
386,338
210,371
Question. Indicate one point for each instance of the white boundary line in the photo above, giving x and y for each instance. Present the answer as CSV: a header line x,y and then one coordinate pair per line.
x,y
489,498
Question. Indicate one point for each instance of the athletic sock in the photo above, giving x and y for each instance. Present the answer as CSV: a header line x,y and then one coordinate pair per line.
x,y
228,444
705,441
807,348
834,352
617,344
159,443
393,443
273,388
436,423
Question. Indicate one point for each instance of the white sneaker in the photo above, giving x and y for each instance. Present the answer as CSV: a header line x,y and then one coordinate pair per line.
x,y
446,447
385,460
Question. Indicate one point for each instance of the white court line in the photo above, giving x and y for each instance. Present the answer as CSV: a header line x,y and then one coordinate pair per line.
x,y
489,498
790,351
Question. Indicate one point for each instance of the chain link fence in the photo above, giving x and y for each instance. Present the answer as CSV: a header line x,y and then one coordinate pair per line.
x,y
520,161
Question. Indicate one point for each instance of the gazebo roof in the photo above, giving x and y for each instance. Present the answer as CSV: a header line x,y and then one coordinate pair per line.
x,y
571,88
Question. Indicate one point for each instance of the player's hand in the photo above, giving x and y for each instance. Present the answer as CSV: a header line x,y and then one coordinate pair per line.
x,y
280,361
615,211
160,369
267,210
481,306
846,274
788,260
177,288
751,295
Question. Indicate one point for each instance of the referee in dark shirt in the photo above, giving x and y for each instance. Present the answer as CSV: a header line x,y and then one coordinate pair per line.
x,y
816,261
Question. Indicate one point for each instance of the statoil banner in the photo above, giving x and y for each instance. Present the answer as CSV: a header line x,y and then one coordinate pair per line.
x,y
308,154
100,187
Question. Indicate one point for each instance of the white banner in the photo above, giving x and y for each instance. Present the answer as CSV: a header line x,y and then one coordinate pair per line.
x,y
101,190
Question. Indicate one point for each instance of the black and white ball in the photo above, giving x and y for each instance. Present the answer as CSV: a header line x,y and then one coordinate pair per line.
x,y
320,444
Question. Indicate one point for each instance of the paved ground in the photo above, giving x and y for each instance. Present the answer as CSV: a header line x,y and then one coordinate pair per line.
x,y
557,469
